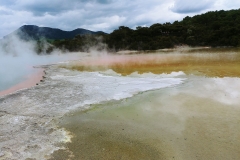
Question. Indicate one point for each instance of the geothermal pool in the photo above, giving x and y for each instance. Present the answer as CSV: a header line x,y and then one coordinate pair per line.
x,y
181,122
21,71
170,104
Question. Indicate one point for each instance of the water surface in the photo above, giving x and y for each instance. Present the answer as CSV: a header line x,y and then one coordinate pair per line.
x,y
197,119
205,62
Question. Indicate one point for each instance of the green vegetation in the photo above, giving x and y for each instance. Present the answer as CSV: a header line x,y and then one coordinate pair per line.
x,y
215,29
81,43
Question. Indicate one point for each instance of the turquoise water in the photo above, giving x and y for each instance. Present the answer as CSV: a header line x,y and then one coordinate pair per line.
x,y
12,76
17,58
8,82
14,70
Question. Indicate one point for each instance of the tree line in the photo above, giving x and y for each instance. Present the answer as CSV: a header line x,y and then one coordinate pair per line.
x,y
215,28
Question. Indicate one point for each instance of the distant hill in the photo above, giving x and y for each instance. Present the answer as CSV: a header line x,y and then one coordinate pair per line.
x,y
214,28
34,32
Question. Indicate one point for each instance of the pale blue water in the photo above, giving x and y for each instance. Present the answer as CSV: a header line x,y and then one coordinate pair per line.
x,y
11,75
17,58
14,70
8,82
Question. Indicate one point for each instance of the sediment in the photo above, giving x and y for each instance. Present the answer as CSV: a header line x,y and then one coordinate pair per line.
x,y
29,118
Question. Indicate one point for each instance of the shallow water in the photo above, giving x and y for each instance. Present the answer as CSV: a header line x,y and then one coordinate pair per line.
x,y
104,115
181,122
13,81
205,62
197,119
17,69
30,118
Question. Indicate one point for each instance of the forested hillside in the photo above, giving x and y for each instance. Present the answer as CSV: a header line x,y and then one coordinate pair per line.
x,y
32,32
218,28
215,28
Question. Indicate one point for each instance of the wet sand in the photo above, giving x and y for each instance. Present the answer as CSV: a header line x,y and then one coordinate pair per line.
x,y
30,81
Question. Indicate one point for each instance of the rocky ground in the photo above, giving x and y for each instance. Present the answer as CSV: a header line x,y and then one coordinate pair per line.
x,y
29,118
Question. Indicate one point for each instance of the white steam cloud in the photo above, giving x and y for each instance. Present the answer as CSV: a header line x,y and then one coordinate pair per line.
x,y
17,58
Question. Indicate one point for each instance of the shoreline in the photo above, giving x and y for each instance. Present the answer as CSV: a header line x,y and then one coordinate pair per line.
x,y
31,80
43,122
36,119
32,116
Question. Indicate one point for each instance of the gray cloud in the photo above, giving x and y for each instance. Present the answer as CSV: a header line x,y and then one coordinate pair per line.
x,y
53,7
191,6
231,4
105,15
7,3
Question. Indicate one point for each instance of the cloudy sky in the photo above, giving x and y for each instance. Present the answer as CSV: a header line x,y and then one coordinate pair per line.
x,y
104,15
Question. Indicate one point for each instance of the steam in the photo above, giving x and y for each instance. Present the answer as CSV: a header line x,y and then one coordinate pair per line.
x,y
17,58
196,61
